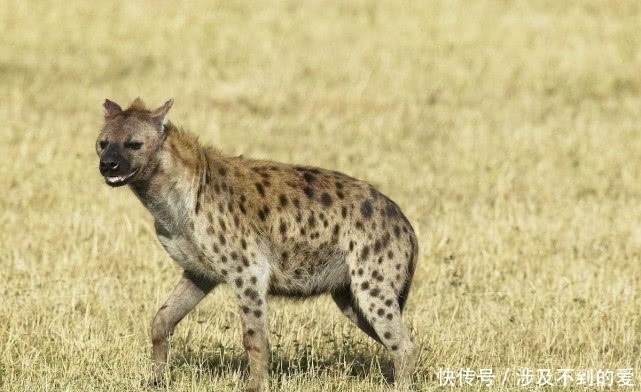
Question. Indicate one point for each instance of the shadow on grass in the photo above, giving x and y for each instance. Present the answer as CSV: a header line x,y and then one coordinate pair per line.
x,y
353,360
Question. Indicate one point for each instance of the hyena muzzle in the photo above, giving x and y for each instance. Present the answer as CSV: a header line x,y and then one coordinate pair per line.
x,y
264,228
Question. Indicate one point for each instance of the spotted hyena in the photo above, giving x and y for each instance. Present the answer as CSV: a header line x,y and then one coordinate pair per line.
x,y
263,228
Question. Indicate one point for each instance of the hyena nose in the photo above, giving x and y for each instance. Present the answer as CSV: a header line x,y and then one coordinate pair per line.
x,y
108,165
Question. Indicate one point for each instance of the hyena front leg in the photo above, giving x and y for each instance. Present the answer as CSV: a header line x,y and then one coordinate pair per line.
x,y
189,291
251,291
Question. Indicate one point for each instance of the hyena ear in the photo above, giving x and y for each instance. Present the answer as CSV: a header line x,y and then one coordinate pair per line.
x,y
158,115
111,108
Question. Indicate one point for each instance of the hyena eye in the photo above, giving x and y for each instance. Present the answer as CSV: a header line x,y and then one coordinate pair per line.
x,y
133,145
103,144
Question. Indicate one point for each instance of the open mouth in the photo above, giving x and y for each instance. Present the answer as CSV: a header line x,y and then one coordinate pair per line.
x,y
119,180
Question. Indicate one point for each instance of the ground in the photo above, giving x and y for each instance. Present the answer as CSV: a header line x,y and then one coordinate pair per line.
x,y
509,133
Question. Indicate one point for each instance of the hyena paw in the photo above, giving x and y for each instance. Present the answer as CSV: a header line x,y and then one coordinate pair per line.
x,y
256,386
156,381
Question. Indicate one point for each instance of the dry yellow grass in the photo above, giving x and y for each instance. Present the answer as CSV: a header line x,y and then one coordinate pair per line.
x,y
509,132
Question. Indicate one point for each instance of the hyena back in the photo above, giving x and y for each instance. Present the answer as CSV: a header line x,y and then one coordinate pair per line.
x,y
263,228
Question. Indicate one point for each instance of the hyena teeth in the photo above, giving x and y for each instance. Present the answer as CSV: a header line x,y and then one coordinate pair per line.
x,y
116,179
264,228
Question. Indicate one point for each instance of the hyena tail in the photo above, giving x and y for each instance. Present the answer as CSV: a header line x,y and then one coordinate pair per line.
x,y
411,267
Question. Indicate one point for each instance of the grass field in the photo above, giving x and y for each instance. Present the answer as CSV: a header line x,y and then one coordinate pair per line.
x,y
509,132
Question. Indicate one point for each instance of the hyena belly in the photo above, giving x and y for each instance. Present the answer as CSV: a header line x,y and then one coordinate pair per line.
x,y
302,270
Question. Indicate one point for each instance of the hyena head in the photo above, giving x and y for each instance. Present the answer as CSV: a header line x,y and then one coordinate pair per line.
x,y
128,141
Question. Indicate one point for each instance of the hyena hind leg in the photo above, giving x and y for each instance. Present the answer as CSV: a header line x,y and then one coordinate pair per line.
x,y
345,302
381,309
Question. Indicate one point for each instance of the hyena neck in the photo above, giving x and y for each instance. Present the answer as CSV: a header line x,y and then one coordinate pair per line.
x,y
177,173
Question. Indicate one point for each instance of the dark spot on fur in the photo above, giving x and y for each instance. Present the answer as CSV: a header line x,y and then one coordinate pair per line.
x,y
391,210
381,312
360,272
311,220
296,202
388,302
340,194
234,256
394,347
389,316
385,240
387,335
245,261
326,199
242,208
364,286
344,212
223,272
245,309
365,252
339,185
309,192
283,228
283,200
239,269
263,212
222,224
397,231
351,246
221,239
253,279
302,231
223,259
377,246
238,282
260,189
299,217
366,209
214,247
258,313
251,294
337,229
243,243
251,332
375,292
222,171
309,177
